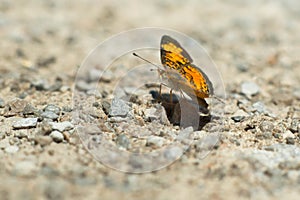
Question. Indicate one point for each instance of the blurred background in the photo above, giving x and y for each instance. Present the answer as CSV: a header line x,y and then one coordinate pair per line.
x,y
249,40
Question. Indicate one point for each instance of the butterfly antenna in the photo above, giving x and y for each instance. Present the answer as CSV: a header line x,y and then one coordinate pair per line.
x,y
159,68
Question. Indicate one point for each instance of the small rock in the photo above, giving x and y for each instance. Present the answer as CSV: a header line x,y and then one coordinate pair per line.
x,y
11,149
207,143
288,134
266,126
155,141
186,135
106,106
106,76
158,113
30,110
119,108
239,115
52,108
2,103
259,107
295,125
40,84
242,67
123,141
43,140
17,105
249,88
296,93
22,133
57,136
290,140
62,126
94,75
25,123
151,114
49,115
173,153
84,86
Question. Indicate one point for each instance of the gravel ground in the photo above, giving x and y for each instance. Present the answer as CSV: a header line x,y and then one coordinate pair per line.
x,y
254,45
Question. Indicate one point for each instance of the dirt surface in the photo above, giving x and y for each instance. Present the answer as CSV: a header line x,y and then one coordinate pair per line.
x,y
255,46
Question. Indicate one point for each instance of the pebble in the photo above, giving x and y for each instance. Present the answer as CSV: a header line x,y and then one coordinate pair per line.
x,y
185,135
155,141
288,134
239,115
62,126
30,110
119,108
173,153
295,125
11,149
25,123
40,84
84,86
266,126
259,107
249,88
16,106
242,67
123,141
52,108
49,115
157,114
94,75
43,140
207,143
290,140
2,103
57,136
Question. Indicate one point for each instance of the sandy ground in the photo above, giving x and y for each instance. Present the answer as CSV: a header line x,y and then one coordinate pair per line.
x,y
255,46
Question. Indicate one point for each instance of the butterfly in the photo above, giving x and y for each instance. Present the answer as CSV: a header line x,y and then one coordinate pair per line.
x,y
180,72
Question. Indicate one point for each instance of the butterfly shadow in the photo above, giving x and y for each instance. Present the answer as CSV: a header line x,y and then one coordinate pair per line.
x,y
183,112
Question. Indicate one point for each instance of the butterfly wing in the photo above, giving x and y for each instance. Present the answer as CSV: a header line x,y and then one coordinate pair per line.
x,y
193,80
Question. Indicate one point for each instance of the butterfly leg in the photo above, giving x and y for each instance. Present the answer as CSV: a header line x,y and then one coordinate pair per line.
x,y
171,96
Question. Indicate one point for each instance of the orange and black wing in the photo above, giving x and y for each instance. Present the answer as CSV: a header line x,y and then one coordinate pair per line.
x,y
172,54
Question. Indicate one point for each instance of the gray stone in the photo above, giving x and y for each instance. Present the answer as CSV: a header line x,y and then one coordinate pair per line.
x,y
57,136
61,126
266,126
40,84
207,143
52,108
25,123
295,125
119,108
11,149
173,153
123,141
259,107
49,115
157,113
84,86
43,140
239,115
155,141
2,103
94,75
249,88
